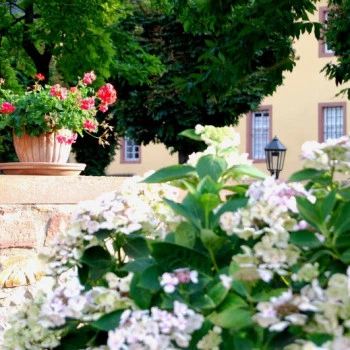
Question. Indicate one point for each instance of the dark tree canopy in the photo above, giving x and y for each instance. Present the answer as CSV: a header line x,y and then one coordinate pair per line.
x,y
222,58
175,63
338,39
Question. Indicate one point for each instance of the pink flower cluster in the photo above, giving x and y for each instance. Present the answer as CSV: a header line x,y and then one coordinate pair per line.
x,y
58,91
169,281
155,328
108,95
7,108
90,125
66,136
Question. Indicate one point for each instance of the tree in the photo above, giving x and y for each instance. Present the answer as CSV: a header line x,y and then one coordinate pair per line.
x,y
222,58
63,39
337,38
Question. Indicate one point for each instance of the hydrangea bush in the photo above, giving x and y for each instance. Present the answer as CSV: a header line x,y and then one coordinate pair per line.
x,y
212,254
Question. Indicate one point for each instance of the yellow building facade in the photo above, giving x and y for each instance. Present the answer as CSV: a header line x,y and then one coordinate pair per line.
x,y
306,107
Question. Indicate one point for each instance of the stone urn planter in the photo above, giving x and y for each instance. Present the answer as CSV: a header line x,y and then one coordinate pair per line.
x,y
43,148
46,154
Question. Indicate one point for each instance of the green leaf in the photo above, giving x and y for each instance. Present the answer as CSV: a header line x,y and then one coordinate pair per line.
x,y
138,265
305,238
320,338
149,279
327,204
185,235
342,223
343,241
232,205
136,247
96,257
207,185
190,133
345,257
141,296
211,166
209,201
345,193
246,170
108,321
211,240
306,174
172,256
309,213
203,302
233,318
172,172
189,209
76,339
217,293
265,295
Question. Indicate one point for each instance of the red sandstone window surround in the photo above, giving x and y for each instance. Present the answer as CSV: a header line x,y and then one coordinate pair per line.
x,y
331,120
130,152
323,50
259,131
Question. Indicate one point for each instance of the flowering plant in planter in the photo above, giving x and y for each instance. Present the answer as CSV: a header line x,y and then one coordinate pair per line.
x,y
56,108
239,260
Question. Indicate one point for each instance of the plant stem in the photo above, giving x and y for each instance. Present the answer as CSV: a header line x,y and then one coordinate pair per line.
x,y
212,257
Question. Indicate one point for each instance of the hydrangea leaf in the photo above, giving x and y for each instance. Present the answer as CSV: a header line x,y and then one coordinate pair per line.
x,y
185,235
108,321
170,173
306,174
172,256
233,318
305,238
211,166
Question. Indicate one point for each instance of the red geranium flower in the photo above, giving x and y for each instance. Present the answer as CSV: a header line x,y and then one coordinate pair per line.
x,y
87,104
90,125
89,78
107,94
7,108
39,77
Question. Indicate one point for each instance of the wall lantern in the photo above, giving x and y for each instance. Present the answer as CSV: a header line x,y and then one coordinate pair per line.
x,y
275,153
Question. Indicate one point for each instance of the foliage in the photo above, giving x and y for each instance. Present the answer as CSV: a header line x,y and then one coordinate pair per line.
x,y
55,39
56,108
221,59
226,263
89,152
336,36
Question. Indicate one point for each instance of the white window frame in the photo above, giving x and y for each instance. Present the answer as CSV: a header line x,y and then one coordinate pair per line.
x,y
259,130
332,120
131,151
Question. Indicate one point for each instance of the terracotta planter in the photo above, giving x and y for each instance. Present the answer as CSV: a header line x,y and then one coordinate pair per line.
x,y
43,148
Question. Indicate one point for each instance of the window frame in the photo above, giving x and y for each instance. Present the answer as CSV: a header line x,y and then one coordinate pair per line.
x,y
321,107
322,45
123,158
249,145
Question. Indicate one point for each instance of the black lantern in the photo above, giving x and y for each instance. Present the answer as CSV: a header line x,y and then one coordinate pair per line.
x,y
275,153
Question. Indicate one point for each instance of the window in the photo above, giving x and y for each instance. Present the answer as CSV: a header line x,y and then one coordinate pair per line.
x,y
324,50
131,152
259,132
332,120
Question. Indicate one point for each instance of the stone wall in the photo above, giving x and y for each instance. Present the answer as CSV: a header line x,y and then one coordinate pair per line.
x,y
33,209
